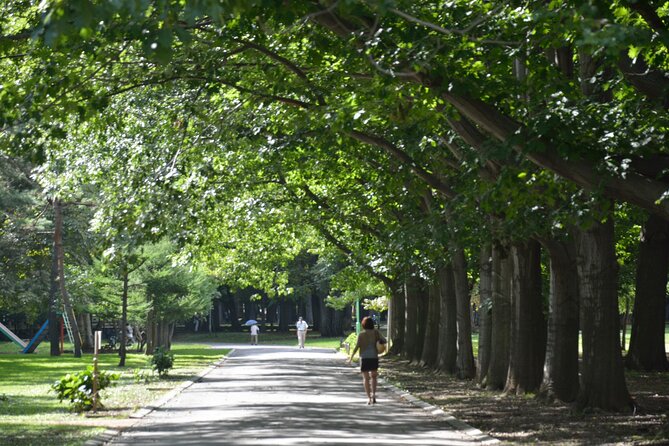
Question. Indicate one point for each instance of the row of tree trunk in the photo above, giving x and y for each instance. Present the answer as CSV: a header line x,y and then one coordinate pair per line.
x,y
528,342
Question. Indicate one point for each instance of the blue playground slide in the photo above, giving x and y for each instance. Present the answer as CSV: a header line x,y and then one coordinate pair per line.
x,y
35,341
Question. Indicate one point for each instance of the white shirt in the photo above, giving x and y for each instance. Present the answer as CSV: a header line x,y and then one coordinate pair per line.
x,y
254,330
302,325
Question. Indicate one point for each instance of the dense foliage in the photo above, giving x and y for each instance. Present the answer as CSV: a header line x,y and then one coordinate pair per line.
x,y
389,140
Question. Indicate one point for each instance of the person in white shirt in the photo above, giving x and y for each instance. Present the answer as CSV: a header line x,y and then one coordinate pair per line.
x,y
129,335
301,332
254,334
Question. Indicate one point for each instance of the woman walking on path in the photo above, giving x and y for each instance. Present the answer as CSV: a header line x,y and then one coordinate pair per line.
x,y
369,357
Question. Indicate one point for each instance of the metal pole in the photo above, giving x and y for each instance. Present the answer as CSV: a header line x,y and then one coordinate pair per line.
x,y
96,348
357,316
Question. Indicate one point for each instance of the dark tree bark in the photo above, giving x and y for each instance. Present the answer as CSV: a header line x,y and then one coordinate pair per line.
x,y
309,310
60,261
216,314
334,322
396,319
150,327
602,375
418,287
528,323
466,367
316,309
560,379
86,331
448,329
485,314
430,340
647,350
501,318
124,314
54,332
285,315
410,322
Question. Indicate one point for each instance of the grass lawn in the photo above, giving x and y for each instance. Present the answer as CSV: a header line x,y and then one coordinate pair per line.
x,y
30,413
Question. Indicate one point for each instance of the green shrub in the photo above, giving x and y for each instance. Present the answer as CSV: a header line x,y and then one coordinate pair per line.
x,y
162,361
351,340
78,388
141,376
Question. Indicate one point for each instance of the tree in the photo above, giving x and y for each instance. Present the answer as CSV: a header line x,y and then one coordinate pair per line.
x,y
370,95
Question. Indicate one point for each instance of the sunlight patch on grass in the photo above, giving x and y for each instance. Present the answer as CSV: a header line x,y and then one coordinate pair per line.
x,y
30,413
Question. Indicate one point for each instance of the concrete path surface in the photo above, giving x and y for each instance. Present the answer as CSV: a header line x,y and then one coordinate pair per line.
x,y
288,396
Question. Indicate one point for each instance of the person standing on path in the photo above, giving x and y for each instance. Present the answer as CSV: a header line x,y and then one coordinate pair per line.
x,y
369,357
301,326
254,334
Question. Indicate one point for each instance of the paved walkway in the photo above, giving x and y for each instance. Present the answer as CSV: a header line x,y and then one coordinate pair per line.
x,y
288,396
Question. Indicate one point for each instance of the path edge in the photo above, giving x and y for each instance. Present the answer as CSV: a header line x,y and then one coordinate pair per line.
x,y
438,412
110,434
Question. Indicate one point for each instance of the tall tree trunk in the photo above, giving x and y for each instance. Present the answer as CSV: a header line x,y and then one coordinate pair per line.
x,y
233,308
561,366
528,335
60,255
54,331
86,331
448,328
421,317
309,311
485,314
430,341
396,319
465,361
325,317
124,314
316,309
602,376
410,322
284,315
334,322
216,314
501,318
647,351
150,329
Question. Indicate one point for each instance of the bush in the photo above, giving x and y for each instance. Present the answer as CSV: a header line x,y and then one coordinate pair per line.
x,y
351,340
78,388
162,361
141,376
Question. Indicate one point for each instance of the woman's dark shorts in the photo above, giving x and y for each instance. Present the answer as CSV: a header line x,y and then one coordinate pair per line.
x,y
369,364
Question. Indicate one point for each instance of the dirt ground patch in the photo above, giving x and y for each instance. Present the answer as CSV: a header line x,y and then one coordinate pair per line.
x,y
527,420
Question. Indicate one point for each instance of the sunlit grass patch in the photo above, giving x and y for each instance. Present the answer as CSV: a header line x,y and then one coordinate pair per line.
x,y
30,413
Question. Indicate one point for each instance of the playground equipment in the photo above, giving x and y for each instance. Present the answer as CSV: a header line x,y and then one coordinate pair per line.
x,y
30,346
10,334
35,341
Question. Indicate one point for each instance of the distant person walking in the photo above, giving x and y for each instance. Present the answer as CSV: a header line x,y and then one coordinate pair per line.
x,y
369,357
254,334
129,335
301,326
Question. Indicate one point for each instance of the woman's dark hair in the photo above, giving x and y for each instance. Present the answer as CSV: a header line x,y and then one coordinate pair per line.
x,y
367,323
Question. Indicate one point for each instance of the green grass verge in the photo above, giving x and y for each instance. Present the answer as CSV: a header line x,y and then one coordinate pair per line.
x,y
30,414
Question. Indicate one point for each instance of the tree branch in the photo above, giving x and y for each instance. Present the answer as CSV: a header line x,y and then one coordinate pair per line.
x,y
429,178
